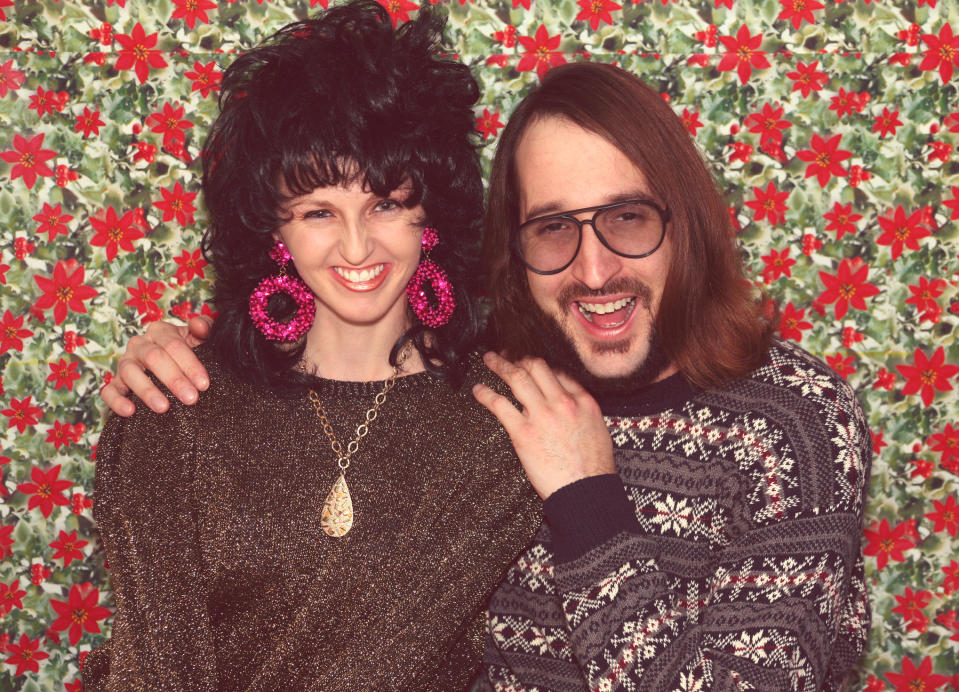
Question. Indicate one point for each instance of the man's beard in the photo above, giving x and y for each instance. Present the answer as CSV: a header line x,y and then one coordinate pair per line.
x,y
558,350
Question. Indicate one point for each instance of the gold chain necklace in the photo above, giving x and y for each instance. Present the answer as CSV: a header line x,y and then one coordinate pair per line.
x,y
336,518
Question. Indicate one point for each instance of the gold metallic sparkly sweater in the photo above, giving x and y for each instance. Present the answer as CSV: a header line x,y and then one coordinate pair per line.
x,y
224,580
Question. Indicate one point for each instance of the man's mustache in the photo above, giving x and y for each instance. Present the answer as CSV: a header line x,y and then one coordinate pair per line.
x,y
577,291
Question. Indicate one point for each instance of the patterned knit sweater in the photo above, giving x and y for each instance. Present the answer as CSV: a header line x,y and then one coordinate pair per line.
x,y
725,555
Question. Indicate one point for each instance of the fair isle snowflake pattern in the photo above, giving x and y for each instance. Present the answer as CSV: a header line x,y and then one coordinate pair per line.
x,y
832,126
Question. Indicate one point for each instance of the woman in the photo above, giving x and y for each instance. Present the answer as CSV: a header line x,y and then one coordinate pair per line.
x,y
336,508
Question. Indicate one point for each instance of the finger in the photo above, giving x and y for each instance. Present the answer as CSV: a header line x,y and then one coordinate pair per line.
x,y
517,378
132,375
571,385
545,378
506,413
198,329
182,373
115,399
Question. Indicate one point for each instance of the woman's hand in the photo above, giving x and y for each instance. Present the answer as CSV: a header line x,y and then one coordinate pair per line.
x,y
560,435
166,351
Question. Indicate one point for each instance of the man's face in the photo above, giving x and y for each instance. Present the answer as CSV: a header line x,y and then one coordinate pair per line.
x,y
603,305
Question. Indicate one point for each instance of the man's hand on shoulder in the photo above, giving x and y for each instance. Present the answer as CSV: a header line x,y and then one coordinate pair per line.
x,y
166,350
560,435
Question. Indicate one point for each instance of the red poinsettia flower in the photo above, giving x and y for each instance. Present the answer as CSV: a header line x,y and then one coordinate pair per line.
x,y
144,297
743,54
139,53
189,265
89,123
77,684
824,158
399,10
927,375
115,232
924,293
170,123
769,204
793,323
842,364
80,612
911,603
60,434
841,219
12,333
52,221
11,596
47,490
6,541
65,291
192,11
44,102
886,543
10,78
946,516
769,123
63,374
806,78
177,204
777,264
68,547
946,442
901,230
22,413
951,583
540,52
887,123
848,286
28,159
26,655
942,52
691,121
489,124
206,78
596,11
799,11
923,468
844,102
912,679
523,3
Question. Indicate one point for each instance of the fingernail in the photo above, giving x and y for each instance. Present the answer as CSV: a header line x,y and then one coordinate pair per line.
x,y
188,396
158,403
202,383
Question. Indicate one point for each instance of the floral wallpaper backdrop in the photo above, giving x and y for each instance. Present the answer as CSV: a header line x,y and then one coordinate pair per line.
x,y
833,127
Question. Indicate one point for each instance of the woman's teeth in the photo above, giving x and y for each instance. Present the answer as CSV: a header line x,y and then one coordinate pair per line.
x,y
358,276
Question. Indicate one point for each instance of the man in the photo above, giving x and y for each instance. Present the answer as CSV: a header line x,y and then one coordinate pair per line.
x,y
713,542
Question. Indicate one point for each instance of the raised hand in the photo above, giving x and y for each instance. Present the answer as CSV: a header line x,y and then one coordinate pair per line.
x,y
559,435
166,351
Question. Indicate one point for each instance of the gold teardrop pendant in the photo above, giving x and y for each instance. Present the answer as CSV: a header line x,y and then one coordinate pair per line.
x,y
337,516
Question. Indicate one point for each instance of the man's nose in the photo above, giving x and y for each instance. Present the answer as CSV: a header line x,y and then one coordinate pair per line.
x,y
595,264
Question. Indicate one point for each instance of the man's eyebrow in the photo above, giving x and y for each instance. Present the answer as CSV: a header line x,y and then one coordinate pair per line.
x,y
553,207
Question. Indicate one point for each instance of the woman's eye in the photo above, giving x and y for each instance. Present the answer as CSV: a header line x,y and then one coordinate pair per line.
x,y
388,205
317,214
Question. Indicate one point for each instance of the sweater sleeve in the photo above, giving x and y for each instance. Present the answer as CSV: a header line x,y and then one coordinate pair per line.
x,y
607,601
144,508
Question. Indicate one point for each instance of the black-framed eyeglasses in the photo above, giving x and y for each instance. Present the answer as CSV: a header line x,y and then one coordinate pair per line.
x,y
634,229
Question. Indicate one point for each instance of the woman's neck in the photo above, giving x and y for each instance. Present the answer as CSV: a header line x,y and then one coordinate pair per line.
x,y
356,353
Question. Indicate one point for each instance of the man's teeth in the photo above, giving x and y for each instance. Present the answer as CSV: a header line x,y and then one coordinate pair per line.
x,y
603,308
358,276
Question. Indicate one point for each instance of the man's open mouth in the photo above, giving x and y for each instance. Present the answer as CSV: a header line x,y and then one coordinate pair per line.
x,y
609,314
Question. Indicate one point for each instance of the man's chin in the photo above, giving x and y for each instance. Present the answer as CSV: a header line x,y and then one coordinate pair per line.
x,y
606,372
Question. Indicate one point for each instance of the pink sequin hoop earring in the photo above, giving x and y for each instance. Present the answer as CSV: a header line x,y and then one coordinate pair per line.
x,y
272,329
428,270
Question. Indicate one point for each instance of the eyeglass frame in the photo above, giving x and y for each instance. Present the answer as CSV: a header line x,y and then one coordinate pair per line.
x,y
664,215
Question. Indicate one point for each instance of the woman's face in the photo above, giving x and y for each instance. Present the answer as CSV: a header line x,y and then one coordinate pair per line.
x,y
356,251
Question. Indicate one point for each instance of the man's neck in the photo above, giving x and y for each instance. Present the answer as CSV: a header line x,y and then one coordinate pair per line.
x,y
670,391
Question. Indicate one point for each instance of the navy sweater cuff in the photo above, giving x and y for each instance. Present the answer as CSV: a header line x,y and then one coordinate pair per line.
x,y
587,513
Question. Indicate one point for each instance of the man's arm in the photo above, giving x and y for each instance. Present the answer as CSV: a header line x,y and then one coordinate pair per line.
x,y
166,350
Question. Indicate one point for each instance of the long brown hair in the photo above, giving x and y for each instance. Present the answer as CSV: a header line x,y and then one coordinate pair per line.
x,y
711,324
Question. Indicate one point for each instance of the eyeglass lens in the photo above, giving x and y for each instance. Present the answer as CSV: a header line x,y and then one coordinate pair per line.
x,y
631,228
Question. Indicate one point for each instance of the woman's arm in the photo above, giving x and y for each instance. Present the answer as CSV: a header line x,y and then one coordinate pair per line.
x,y
146,514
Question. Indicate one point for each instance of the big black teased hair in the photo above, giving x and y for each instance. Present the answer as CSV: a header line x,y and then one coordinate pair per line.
x,y
336,99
